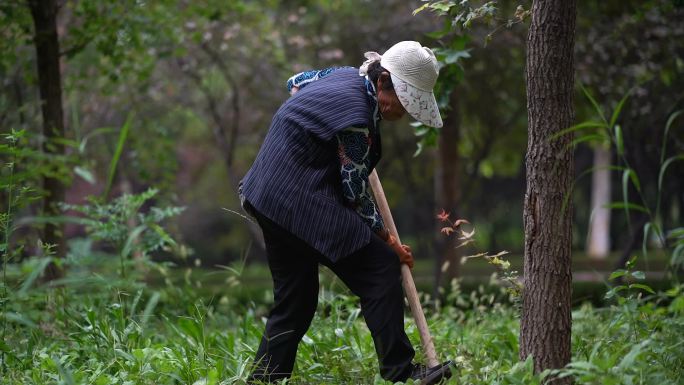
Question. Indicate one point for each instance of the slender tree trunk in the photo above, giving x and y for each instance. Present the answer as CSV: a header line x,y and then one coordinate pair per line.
x,y
598,242
545,324
46,40
448,192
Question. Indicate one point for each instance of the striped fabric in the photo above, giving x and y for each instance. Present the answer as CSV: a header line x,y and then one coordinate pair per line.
x,y
295,180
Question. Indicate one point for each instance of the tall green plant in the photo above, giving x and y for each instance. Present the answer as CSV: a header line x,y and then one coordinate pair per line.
x,y
123,135
608,129
16,187
110,222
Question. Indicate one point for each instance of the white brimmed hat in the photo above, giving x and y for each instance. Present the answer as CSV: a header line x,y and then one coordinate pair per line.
x,y
414,71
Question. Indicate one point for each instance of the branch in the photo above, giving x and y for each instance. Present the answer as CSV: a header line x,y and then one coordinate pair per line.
x,y
76,48
218,127
235,102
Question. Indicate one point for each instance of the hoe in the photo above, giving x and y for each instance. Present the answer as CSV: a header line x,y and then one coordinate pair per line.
x,y
406,277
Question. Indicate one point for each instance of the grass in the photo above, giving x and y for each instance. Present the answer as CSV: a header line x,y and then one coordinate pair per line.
x,y
103,330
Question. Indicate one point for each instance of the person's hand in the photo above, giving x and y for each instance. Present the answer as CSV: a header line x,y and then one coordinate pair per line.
x,y
404,251
294,90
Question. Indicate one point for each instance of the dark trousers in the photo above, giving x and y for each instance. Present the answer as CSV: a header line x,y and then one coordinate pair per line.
x,y
372,273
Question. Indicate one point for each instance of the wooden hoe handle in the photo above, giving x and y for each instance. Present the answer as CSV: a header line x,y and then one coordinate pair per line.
x,y
406,277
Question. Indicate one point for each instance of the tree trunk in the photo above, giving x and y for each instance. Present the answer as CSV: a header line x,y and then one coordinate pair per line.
x,y
448,193
598,242
46,40
545,324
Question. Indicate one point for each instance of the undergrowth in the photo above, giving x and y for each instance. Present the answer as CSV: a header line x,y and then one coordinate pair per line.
x,y
109,331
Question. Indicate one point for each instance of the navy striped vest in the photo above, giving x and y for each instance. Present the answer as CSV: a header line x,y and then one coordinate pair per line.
x,y
295,180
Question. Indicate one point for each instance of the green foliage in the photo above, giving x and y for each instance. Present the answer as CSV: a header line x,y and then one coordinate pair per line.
x,y
631,342
632,289
608,131
117,155
461,13
28,164
166,335
454,37
121,225
450,58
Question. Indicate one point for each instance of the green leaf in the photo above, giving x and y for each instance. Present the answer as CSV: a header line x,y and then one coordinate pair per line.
x,y
422,130
642,287
644,241
627,361
149,308
420,9
664,167
419,149
670,120
85,174
86,138
618,109
613,292
598,138
597,108
618,140
125,355
446,29
676,233
616,274
453,56
130,241
628,206
677,255
162,234
117,154
35,273
577,127
632,261
440,8
67,377
638,275
20,319
634,178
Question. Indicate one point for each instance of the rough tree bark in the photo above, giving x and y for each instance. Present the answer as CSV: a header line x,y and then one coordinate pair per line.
x,y
447,192
545,324
598,242
46,40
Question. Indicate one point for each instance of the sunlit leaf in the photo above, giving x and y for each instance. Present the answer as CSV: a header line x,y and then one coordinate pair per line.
x,y
577,127
84,173
597,108
618,109
642,287
618,140
638,274
626,207
617,274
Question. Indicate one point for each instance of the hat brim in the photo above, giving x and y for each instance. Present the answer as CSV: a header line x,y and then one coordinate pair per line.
x,y
421,105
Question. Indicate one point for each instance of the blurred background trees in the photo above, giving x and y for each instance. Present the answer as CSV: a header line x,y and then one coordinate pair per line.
x,y
196,83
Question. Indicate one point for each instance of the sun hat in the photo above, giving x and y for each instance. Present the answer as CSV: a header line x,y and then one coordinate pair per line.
x,y
414,71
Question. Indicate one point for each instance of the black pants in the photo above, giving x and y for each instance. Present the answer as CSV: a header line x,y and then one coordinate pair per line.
x,y
372,273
